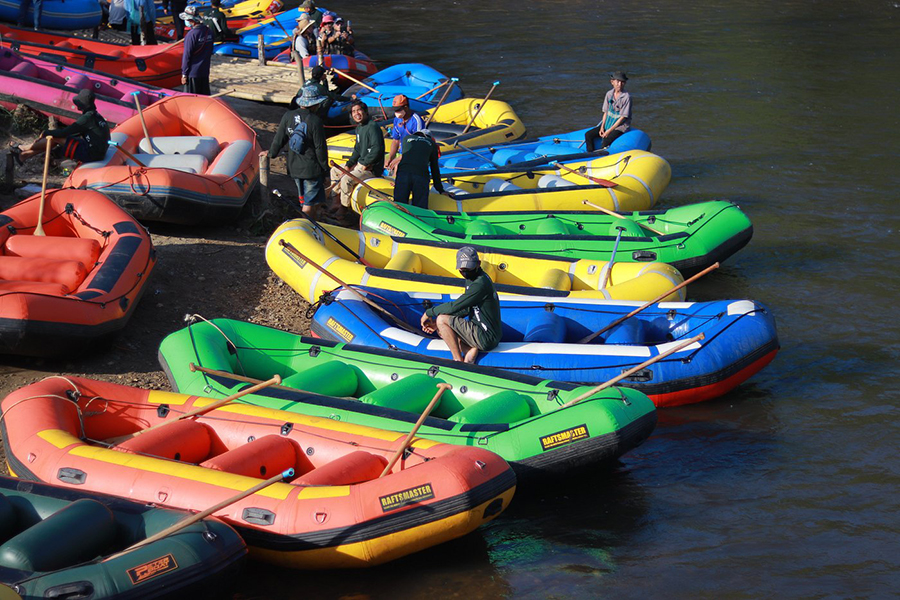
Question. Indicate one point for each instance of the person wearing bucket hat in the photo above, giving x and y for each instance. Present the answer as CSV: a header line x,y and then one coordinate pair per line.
x,y
85,140
406,122
307,154
198,51
616,114
471,322
419,153
317,79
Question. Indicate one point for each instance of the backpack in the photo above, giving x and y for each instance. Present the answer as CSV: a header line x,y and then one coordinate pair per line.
x,y
297,141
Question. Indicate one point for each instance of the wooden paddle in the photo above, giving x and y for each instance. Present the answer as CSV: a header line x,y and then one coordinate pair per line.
x,y
477,112
446,93
276,379
612,259
633,370
601,182
708,269
39,230
355,80
143,123
618,216
442,387
437,87
288,474
223,93
382,195
126,153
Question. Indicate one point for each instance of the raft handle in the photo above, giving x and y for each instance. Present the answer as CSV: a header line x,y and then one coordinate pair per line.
x,y
258,516
73,476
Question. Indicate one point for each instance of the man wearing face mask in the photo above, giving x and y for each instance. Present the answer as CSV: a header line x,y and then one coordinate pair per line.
x,y
406,122
471,322
198,50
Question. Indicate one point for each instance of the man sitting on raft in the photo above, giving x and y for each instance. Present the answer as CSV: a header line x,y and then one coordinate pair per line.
x,y
482,329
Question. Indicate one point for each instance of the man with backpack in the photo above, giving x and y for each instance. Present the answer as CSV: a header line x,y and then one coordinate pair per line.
x,y
304,133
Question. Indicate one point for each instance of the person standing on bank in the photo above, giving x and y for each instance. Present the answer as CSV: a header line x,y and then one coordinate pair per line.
x,y
420,152
616,114
141,21
367,159
23,13
471,322
307,157
198,51
174,8
405,123
217,21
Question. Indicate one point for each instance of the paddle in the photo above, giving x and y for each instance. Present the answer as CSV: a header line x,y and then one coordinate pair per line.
x,y
276,379
634,370
325,231
446,93
223,93
289,473
355,80
477,112
475,154
438,86
601,182
618,216
140,110
126,153
39,230
442,387
382,195
711,267
612,259
290,248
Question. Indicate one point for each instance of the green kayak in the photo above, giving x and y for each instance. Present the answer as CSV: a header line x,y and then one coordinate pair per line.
x,y
690,238
518,417
64,543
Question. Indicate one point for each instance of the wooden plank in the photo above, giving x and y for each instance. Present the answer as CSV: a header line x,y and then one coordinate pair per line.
x,y
271,83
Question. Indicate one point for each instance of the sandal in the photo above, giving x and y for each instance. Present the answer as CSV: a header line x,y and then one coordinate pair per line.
x,y
16,152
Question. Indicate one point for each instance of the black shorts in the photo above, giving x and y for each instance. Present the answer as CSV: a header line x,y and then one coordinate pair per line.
x,y
75,147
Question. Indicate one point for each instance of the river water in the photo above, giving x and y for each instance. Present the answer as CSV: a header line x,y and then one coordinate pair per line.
x,y
789,485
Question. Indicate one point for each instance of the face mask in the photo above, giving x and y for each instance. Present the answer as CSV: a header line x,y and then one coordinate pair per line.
x,y
187,23
471,274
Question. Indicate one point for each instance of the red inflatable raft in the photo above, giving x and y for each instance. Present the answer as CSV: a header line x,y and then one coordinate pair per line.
x,y
199,164
336,512
77,283
157,65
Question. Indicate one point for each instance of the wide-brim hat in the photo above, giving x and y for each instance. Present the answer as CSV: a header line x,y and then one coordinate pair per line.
x,y
310,96
619,76
190,14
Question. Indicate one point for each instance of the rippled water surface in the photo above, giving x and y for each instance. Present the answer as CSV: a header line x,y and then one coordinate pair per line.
x,y
789,485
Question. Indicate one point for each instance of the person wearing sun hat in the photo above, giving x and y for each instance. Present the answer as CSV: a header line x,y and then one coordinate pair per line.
x,y
471,322
305,34
198,51
308,167
616,114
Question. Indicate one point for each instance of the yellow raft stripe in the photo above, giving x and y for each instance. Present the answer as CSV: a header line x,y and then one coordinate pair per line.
x,y
58,437
171,398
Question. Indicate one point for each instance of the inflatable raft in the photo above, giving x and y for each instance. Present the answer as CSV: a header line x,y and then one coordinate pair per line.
x,y
541,335
337,511
242,14
690,238
56,14
516,416
358,67
49,87
276,31
561,146
199,164
157,65
79,282
636,180
496,122
64,543
403,264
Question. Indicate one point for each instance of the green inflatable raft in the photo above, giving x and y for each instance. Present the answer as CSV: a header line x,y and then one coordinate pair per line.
x,y
690,238
518,417
64,543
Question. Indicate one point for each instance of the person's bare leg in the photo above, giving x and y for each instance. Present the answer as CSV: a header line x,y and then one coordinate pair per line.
x,y
38,147
449,336
471,355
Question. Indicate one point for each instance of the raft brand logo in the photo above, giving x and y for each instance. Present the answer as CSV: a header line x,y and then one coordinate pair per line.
x,y
339,329
555,440
391,230
406,497
151,569
300,262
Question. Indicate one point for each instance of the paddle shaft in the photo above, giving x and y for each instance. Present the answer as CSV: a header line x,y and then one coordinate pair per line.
x,y
438,86
618,216
473,153
604,182
477,112
634,370
223,93
39,230
127,154
355,80
442,387
434,110
143,123
359,181
711,267
612,258
205,513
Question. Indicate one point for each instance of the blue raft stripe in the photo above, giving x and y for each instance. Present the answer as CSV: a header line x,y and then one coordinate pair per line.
x,y
104,187
115,264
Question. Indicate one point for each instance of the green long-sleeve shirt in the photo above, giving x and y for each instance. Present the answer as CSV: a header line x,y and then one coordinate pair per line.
x,y
93,128
480,303
369,148
314,160
419,153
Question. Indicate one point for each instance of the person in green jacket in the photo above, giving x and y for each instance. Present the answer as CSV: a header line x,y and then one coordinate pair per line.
x,y
367,159
419,153
216,21
471,322
307,167
85,140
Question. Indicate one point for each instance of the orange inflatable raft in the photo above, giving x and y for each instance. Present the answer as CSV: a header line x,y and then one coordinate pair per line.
x,y
157,65
79,282
200,163
336,512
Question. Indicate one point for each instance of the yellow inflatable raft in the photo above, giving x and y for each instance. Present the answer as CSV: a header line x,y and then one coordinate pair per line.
x,y
496,123
424,266
639,177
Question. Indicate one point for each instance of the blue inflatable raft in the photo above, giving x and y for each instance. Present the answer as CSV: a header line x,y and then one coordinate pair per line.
x,y
276,32
540,335
56,14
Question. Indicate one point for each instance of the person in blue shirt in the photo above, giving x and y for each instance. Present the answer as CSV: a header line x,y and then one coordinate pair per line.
x,y
23,12
406,122
141,21
198,51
